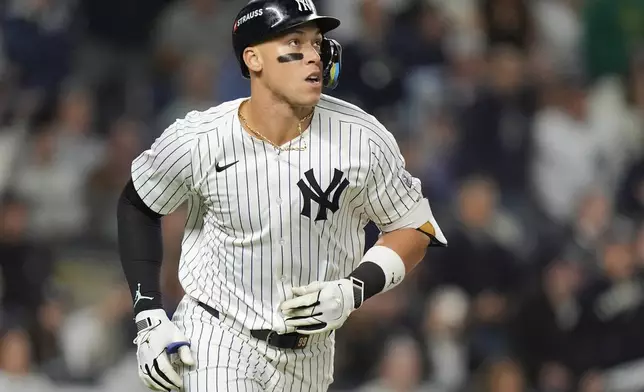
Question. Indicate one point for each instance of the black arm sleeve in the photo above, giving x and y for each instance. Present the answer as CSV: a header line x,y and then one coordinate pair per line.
x,y
140,248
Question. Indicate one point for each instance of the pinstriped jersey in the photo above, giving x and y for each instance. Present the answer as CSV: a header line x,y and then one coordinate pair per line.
x,y
260,220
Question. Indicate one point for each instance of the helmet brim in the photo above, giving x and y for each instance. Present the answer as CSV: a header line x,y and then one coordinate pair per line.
x,y
324,23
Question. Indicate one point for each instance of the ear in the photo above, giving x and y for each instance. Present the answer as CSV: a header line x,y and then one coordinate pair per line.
x,y
253,59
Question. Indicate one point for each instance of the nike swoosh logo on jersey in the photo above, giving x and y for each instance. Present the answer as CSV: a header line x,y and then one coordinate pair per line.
x,y
222,168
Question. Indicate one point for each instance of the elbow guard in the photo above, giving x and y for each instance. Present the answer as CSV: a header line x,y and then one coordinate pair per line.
x,y
421,218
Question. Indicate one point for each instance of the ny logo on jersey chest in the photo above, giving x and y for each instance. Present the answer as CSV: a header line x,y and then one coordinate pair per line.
x,y
314,192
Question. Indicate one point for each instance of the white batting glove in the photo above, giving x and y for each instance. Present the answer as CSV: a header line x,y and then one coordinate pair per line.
x,y
321,306
157,339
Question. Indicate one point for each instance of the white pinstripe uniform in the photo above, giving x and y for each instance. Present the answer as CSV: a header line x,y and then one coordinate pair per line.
x,y
252,233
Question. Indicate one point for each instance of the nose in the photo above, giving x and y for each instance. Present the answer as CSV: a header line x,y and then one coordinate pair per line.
x,y
312,56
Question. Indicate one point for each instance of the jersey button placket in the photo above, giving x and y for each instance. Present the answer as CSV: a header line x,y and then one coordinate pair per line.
x,y
281,228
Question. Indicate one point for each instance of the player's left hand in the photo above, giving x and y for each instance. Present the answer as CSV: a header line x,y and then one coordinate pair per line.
x,y
155,344
319,306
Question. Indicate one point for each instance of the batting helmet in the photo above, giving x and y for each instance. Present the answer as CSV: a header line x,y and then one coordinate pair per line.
x,y
262,20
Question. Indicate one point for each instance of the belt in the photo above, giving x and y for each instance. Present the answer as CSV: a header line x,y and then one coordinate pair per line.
x,y
291,340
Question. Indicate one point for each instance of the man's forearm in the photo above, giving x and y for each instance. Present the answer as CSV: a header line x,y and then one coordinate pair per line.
x,y
387,262
140,249
410,244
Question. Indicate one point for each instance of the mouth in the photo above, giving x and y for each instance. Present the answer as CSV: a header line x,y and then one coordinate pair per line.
x,y
314,79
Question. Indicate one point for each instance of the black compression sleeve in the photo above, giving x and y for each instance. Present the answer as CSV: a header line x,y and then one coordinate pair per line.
x,y
140,248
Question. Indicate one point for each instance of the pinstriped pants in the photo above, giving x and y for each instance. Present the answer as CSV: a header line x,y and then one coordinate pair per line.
x,y
227,360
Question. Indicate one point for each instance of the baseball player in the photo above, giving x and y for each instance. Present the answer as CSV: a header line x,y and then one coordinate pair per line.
x,y
279,186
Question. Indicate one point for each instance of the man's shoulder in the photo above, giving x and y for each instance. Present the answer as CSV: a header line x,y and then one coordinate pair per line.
x,y
198,122
347,112
341,108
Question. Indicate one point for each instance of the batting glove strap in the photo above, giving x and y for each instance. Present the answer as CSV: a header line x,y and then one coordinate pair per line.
x,y
144,324
358,292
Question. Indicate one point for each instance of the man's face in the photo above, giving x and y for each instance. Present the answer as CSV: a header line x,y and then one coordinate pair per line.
x,y
291,66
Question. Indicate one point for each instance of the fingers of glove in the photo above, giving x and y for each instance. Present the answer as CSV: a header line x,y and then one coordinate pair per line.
x,y
313,329
300,302
164,369
186,356
181,346
147,381
310,288
300,313
297,291
173,347
156,382
299,322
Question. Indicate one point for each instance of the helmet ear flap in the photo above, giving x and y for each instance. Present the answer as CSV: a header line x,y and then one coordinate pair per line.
x,y
331,62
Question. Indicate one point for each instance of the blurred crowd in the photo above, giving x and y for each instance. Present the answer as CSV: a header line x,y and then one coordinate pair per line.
x,y
524,119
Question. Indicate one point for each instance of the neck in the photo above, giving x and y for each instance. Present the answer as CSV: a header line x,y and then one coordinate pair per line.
x,y
275,119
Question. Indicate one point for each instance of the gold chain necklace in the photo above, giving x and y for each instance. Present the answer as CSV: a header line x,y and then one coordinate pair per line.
x,y
279,148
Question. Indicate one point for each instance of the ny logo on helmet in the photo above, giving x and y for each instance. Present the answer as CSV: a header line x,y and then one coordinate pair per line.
x,y
304,5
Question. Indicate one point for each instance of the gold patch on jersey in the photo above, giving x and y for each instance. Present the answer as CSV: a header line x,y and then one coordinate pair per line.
x,y
428,229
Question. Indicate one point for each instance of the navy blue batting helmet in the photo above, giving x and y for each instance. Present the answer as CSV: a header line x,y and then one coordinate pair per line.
x,y
262,20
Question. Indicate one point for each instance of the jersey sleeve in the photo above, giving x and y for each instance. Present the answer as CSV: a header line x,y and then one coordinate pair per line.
x,y
162,174
392,192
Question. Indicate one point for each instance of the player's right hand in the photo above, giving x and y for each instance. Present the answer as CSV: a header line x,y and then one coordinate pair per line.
x,y
319,306
156,340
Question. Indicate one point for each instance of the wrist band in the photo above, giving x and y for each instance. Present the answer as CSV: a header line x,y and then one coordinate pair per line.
x,y
380,270
392,265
